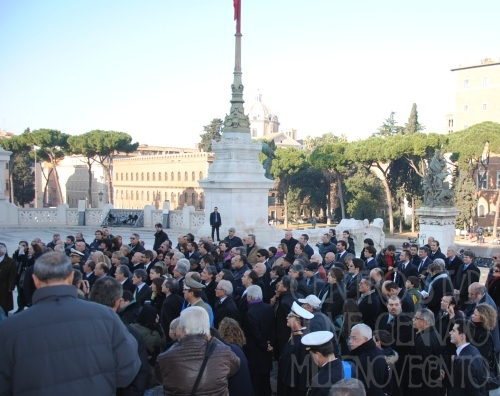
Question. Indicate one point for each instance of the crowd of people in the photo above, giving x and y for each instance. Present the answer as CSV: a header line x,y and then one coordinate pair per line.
x,y
203,318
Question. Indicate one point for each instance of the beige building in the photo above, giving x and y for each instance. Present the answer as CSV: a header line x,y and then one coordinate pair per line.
x,y
477,95
152,179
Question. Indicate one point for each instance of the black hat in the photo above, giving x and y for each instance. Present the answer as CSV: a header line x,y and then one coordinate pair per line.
x,y
289,258
312,267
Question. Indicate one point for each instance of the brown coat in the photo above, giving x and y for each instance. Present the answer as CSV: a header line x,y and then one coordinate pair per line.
x,y
8,273
178,367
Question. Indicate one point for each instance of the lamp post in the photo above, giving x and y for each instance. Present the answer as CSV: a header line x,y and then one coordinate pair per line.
x,y
35,148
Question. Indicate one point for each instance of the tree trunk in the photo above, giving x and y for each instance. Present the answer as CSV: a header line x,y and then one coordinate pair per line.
x,y
285,204
495,220
389,205
412,214
11,178
56,177
341,194
109,183
90,183
400,218
45,198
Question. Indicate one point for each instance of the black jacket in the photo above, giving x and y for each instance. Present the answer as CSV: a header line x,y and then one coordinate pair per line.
x,y
452,266
427,361
143,295
469,370
171,309
438,289
285,302
325,248
259,333
371,367
59,321
233,242
462,281
129,314
334,302
160,237
226,309
369,306
290,244
403,273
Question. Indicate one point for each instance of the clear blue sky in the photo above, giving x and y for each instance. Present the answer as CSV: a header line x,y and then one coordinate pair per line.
x,y
160,70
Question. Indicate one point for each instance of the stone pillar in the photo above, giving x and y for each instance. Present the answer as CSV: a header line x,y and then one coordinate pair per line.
x,y
148,215
4,160
61,213
82,207
186,214
438,222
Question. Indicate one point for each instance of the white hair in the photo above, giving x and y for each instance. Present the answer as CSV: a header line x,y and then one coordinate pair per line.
x,y
194,320
453,248
364,330
254,292
180,256
226,286
59,248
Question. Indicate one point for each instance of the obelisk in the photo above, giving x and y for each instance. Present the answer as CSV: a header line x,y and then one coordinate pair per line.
x,y
235,182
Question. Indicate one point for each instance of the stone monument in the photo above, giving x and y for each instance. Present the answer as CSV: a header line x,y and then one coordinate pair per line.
x,y
437,216
8,211
235,182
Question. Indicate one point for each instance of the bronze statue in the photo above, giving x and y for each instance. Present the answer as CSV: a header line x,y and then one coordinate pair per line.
x,y
268,150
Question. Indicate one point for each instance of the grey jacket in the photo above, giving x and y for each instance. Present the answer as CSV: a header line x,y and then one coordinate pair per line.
x,y
65,346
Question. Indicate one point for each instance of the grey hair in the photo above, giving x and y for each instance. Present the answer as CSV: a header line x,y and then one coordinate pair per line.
x,y
59,248
211,270
127,248
227,287
427,316
136,235
124,270
179,256
453,248
437,265
364,330
172,285
348,387
53,266
298,268
194,320
106,291
481,289
182,266
232,229
349,256
173,325
254,292
253,237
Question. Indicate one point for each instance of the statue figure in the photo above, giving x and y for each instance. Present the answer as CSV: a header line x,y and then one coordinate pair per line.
x,y
437,191
268,150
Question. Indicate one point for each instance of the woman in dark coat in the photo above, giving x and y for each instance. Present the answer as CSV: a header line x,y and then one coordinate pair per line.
x,y
494,285
334,300
157,295
485,319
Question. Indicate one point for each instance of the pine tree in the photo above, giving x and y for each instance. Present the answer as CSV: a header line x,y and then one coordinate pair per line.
x,y
23,178
413,126
212,131
465,199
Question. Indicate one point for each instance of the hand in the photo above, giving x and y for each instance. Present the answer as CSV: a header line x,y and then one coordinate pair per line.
x,y
451,311
391,269
441,374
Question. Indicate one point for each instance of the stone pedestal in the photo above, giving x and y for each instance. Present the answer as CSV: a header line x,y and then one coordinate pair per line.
x,y
438,222
237,186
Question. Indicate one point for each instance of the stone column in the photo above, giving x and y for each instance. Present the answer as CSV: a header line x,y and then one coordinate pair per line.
x,y
438,222
4,160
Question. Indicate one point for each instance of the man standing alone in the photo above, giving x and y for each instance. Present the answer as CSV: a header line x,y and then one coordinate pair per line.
x,y
215,222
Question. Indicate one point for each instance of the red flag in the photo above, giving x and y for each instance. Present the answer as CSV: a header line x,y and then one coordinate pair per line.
x,y
237,14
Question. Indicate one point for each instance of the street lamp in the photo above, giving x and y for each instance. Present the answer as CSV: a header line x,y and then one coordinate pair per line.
x,y
100,193
35,148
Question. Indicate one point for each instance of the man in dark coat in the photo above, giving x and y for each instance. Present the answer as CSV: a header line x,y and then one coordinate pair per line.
x,y
469,369
467,274
258,326
426,358
313,279
287,291
391,289
435,251
99,365
239,266
423,254
404,269
289,241
225,307
369,302
355,269
293,381
142,291
172,305
160,236
232,240
215,223
371,368
135,245
452,261
333,293
326,245
8,274
439,286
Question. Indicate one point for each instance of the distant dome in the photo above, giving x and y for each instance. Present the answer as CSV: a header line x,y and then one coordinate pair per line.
x,y
260,112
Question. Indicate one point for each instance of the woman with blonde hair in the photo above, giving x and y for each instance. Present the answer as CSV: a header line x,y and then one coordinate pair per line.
x,y
231,332
485,319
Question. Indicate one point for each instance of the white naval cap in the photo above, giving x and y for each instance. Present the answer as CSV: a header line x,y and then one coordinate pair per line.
x,y
298,311
317,338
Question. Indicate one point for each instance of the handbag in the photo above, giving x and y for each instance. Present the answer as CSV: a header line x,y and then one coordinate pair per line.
x,y
208,352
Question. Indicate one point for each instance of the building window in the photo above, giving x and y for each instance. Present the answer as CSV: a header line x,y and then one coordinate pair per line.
x,y
186,198
466,108
117,191
466,83
482,180
172,176
126,176
142,176
166,196
126,195
121,176
485,106
201,175
142,195
193,176
131,177
172,199
480,211
193,199
137,176
137,195
121,195
254,132
485,81
159,176
147,196
498,180
7,185
116,177
178,176
185,176
154,177
131,195
147,176
166,176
